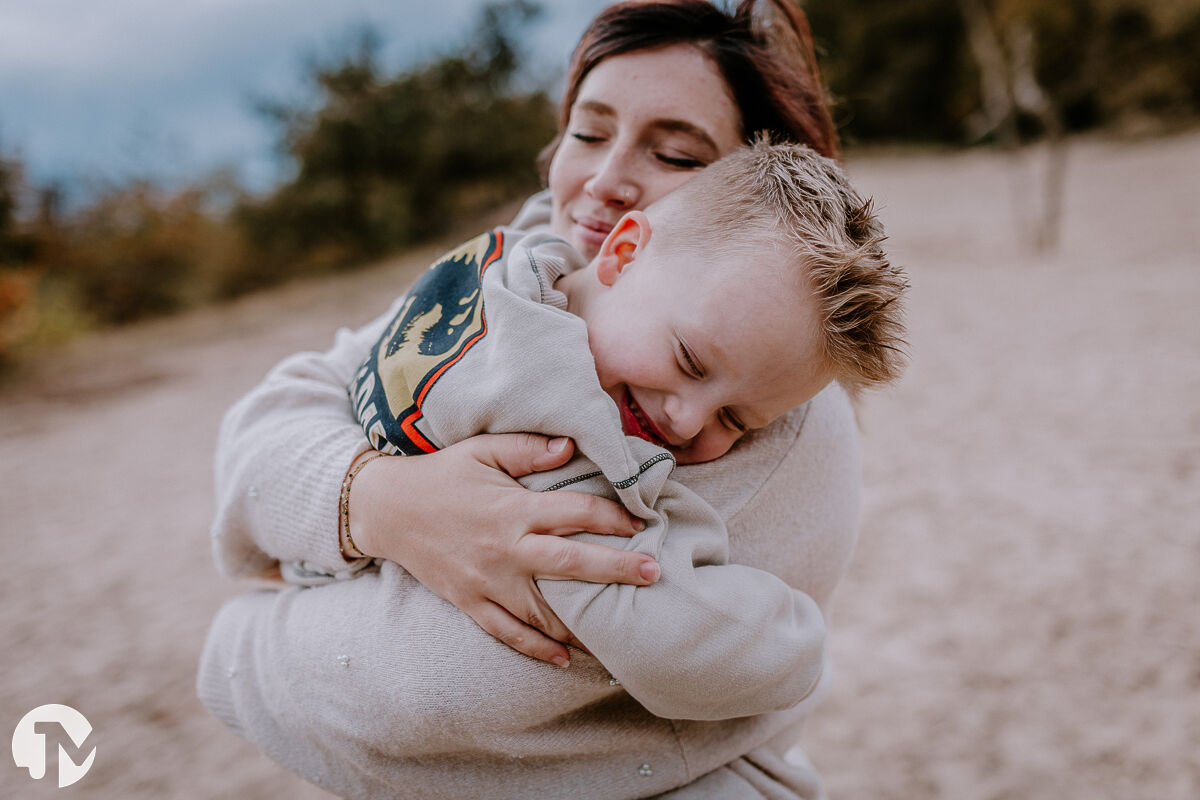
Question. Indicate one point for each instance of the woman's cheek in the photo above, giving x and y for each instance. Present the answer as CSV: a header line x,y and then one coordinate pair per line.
x,y
567,172
658,181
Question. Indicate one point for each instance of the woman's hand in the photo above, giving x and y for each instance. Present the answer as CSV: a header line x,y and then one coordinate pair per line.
x,y
475,537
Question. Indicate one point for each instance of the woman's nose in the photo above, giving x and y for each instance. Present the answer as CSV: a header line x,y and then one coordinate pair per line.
x,y
614,182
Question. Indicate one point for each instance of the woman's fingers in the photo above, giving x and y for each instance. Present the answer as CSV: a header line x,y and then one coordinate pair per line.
x,y
519,454
502,625
566,512
558,559
538,614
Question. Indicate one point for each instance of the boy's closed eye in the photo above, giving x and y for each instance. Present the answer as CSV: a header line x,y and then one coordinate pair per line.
x,y
691,367
688,363
730,420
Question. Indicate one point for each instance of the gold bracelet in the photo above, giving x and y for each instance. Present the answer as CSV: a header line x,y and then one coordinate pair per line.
x,y
345,540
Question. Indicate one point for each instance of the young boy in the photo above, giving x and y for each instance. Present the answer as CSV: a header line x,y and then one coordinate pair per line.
x,y
721,307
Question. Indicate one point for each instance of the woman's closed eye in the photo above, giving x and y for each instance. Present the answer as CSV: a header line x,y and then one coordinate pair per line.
x,y
680,162
587,138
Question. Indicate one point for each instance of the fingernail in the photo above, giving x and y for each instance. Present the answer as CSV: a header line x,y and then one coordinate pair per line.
x,y
561,661
557,446
639,525
649,571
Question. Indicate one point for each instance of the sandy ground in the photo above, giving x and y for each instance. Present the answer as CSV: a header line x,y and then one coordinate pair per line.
x,y
1022,619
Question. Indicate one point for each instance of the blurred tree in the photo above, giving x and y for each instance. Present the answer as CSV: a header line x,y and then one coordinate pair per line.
x,y
387,161
18,279
16,246
904,69
139,251
133,250
8,204
896,67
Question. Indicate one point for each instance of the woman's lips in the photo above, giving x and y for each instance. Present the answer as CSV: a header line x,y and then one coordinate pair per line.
x,y
635,422
592,231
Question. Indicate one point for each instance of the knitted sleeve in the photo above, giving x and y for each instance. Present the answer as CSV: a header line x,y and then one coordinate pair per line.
x,y
282,452
374,687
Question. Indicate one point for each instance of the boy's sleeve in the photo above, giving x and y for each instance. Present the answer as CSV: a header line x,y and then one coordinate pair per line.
x,y
710,640
282,452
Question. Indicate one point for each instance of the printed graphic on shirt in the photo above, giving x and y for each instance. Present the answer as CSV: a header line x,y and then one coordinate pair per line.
x,y
439,322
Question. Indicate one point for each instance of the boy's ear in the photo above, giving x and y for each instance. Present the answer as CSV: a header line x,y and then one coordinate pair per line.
x,y
624,244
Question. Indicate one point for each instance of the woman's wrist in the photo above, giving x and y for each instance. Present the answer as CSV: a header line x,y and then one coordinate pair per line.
x,y
353,531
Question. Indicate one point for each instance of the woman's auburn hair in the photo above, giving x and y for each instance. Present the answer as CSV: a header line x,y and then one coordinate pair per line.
x,y
764,51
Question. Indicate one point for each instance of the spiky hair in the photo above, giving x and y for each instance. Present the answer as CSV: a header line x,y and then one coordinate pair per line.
x,y
803,201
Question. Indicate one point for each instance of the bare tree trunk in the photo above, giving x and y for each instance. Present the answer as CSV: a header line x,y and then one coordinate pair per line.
x,y
1008,83
998,113
1029,96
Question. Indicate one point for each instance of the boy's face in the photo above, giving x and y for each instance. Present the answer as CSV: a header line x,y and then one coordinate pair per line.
x,y
696,350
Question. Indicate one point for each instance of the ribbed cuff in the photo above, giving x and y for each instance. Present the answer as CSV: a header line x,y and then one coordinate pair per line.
x,y
306,514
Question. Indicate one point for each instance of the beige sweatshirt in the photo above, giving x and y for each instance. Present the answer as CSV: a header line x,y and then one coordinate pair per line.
x,y
413,700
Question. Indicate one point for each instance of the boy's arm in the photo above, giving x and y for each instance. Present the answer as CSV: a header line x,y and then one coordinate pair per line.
x,y
710,640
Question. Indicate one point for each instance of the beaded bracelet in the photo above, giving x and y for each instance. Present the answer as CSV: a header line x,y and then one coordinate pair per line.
x,y
345,540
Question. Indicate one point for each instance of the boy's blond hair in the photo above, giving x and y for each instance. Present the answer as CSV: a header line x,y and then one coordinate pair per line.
x,y
801,200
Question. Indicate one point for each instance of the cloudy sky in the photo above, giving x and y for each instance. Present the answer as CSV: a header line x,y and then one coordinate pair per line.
x,y
119,87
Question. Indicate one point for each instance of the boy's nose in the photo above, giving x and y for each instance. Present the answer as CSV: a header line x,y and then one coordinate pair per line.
x,y
687,420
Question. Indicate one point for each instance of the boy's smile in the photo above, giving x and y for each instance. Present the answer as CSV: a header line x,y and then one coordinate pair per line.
x,y
635,422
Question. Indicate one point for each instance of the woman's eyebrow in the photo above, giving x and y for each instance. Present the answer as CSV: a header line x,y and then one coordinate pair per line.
x,y
688,129
595,107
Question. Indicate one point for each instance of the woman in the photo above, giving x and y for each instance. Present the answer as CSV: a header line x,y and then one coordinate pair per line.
x,y
656,92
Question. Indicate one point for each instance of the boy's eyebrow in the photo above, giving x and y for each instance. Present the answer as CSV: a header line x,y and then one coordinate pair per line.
x,y
664,123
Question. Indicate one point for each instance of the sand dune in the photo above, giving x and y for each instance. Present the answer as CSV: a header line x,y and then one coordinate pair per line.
x,y
1023,615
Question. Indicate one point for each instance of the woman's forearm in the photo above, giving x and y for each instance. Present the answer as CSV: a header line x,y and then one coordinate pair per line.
x,y
370,686
282,453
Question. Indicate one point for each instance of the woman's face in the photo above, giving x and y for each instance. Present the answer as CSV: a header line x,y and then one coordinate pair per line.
x,y
641,125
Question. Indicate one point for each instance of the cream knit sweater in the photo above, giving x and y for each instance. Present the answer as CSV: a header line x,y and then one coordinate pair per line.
x,y
376,688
